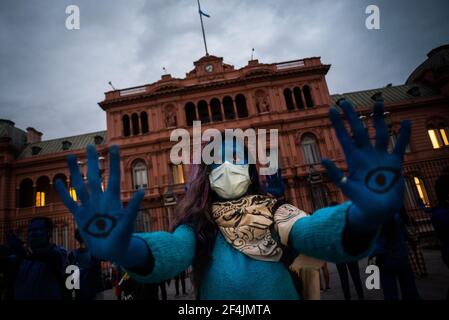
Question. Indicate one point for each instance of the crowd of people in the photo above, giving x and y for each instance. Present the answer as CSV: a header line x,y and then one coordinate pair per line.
x,y
36,270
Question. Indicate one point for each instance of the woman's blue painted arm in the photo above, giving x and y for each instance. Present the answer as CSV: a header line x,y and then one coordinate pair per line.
x,y
324,235
172,253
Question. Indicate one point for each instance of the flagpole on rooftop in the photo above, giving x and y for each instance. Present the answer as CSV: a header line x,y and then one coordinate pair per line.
x,y
202,27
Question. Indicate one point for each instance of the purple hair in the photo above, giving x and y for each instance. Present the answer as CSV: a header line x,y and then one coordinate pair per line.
x,y
195,210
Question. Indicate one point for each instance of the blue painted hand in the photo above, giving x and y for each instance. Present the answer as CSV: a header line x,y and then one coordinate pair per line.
x,y
104,224
375,182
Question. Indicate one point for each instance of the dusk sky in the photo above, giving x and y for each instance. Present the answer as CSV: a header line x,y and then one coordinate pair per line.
x,y
51,78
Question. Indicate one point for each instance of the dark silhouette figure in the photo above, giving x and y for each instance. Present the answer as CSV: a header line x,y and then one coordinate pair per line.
x,y
180,278
354,271
41,273
393,262
90,271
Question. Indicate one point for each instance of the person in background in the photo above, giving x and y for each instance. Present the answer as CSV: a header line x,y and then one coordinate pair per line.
x,y
306,276
161,285
6,277
41,273
326,278
10,256
416,256
393,262
440,217
116,277
354,271
90,270
181,278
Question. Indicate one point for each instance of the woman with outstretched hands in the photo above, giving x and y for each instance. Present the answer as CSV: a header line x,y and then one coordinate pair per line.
x,y
234,234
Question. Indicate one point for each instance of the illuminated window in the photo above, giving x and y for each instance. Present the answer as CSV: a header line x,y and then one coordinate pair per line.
x,y
419,185
178,174
444,136
40,199
72,193
438,137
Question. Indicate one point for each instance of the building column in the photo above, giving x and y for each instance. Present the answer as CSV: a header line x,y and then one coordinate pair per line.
x,y
221,110
250,104
303,99
234,107
181,121
209,109
33,204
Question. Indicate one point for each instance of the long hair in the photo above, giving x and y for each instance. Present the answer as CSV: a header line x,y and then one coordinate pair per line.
x,y
195,210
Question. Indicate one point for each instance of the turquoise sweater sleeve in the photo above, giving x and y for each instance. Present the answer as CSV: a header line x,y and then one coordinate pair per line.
x,y
321,235
172,253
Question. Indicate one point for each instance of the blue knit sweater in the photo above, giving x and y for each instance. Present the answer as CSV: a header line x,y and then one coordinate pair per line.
x,y
232,274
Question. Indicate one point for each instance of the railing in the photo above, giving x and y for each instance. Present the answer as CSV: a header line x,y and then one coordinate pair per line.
x,y
32,211
290,64
128,92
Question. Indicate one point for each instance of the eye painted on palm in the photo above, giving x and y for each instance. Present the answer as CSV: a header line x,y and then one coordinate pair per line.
x,y
382,179
100,225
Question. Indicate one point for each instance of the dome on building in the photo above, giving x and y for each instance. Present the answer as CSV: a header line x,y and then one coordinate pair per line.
x,y
9,132
435,70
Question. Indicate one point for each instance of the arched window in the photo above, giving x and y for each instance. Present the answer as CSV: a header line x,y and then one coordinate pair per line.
x,y
63,178
203,112
42,191
414,191
144,122
135,123
215,108
26,193
298,98
190,113
421,190
140,174
310,149
308,96
242,109
438,133
288,99
126,125
228,108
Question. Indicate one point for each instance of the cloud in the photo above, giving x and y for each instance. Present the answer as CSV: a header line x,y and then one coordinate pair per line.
x,y
52,78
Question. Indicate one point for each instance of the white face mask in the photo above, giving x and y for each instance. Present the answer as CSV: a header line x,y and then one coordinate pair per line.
x,y
230,181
